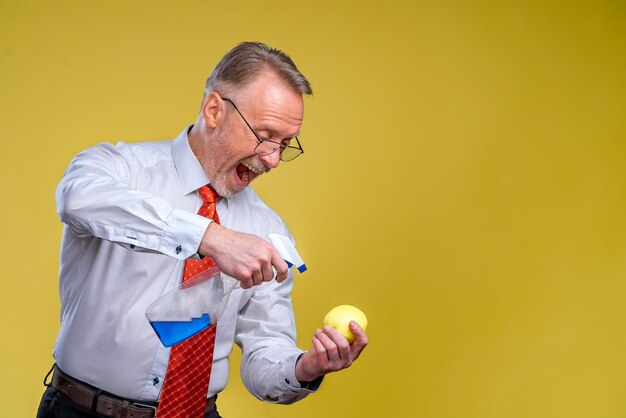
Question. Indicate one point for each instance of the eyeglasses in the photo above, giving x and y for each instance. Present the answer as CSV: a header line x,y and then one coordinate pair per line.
x,y
266,147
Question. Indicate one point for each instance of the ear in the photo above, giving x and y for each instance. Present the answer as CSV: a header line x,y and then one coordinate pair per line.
x,y
212,110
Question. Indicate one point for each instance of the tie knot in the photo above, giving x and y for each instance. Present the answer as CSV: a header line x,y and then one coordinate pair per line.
x,y
208,195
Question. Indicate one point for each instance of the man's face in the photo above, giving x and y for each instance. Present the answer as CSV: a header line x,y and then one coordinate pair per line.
x,y
274,111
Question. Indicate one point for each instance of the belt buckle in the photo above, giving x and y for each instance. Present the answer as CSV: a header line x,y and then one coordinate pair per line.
x,y
143,405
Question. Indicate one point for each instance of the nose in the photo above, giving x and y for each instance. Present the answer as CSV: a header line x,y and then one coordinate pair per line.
x,y
271,160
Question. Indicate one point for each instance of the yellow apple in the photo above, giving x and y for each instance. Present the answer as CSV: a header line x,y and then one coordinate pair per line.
x,y
340,317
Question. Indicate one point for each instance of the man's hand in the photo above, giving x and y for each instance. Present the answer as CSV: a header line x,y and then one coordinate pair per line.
x,y
245,257
331,352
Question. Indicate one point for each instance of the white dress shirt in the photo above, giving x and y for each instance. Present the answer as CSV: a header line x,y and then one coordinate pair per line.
x,y
130,222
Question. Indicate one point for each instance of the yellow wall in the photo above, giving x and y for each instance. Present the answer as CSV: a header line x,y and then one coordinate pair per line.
x,y
463,184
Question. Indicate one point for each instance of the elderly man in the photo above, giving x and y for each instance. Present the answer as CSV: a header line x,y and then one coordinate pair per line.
x,y
141,217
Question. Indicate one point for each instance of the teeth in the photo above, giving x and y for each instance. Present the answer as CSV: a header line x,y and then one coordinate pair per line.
x,y
244,177
248,166
252,168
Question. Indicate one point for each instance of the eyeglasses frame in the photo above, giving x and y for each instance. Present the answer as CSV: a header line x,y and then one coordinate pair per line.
x,y
280,146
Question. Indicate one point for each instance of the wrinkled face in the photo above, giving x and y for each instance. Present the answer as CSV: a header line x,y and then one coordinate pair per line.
x,y
274,111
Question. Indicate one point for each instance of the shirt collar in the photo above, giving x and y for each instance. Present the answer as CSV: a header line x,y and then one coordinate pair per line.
x,y
190,171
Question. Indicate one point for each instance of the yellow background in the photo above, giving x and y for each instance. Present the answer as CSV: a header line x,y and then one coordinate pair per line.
x,y
463,184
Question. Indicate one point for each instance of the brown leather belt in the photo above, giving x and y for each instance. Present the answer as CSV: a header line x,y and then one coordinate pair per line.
x,y
105,403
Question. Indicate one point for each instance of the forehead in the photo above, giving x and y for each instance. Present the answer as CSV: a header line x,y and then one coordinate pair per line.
x,y
269,98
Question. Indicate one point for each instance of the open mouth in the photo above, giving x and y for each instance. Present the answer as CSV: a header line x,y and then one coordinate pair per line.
x,y
246,173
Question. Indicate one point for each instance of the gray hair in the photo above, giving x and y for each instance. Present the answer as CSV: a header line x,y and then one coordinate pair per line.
x,y
246,61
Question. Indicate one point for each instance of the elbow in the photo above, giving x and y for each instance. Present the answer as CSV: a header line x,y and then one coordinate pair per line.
x,y
68,202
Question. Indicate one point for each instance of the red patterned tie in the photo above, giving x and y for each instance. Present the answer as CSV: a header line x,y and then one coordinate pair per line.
x,y
189,370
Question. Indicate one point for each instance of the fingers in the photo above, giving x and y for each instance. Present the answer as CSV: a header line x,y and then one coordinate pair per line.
x,y
331,352
339,340
281,267
255,275
336,348
265,271
360,337
245,257
360,340
329,348
268,272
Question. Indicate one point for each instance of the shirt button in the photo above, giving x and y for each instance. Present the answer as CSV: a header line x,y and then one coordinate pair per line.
x,y
155,381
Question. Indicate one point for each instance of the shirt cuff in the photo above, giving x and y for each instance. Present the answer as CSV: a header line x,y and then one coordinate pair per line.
x,y
314,384
293,390
184,234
